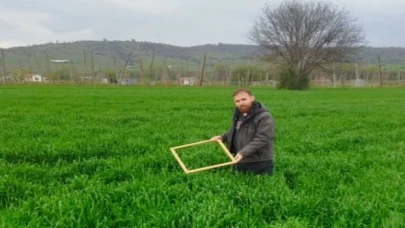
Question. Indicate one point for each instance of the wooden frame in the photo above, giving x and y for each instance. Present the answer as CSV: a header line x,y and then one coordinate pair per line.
x,y
173,150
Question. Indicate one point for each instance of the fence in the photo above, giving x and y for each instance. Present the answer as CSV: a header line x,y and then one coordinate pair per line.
x,y
262,74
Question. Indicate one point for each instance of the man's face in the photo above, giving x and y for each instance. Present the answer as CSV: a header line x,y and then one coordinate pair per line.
x,y
243,101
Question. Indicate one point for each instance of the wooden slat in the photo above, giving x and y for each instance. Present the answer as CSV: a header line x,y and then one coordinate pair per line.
x,y
179,161
226,150
173,150
211,167
192,144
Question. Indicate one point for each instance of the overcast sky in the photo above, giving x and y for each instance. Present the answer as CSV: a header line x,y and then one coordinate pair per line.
x,y
177,22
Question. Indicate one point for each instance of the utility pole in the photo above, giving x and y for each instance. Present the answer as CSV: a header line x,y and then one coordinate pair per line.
x,y
3,61
202,70
379,70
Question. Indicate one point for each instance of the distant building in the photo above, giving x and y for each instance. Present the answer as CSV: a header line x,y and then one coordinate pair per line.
x,y
61,61
8,78
128,81
322,81
358,82
35,78
188,80
105,80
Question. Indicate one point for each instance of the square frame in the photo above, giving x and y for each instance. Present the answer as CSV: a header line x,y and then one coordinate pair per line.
x,y
187,171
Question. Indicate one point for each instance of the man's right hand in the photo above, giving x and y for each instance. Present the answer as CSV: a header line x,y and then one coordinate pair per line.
x,y
218,137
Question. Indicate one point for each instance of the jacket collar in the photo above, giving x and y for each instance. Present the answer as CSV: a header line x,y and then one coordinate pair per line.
x,y
253,110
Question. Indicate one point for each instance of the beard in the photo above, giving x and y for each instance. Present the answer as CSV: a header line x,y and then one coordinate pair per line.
x,y
244,108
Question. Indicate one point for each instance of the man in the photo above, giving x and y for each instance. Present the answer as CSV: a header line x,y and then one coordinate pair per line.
x,y
251,135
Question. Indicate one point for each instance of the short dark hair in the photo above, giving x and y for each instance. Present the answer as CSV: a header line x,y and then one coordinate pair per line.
x,y
241,90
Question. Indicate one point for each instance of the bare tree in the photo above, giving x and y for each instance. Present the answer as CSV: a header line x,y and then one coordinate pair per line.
x,y
304,36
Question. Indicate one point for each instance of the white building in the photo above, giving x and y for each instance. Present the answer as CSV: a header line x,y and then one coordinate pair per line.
x,y
38,78
187,81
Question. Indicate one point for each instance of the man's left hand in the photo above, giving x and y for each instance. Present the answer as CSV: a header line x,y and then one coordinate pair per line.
x,y
238,157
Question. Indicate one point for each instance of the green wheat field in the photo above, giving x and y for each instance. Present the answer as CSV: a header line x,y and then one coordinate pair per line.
x,y
99,156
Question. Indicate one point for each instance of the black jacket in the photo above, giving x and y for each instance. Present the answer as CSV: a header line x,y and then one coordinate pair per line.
x,y
254,139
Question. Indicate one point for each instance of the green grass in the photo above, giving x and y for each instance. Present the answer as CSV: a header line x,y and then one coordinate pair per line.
x,y
202,155
99,157
393,67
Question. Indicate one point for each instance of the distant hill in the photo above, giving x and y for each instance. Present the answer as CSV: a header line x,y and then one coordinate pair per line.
x,y
186,57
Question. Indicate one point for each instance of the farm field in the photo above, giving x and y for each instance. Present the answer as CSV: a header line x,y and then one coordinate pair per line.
x,y
100,157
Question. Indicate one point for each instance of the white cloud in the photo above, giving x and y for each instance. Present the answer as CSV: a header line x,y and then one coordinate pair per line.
x,y
149,6
25,21
31,29
8,44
